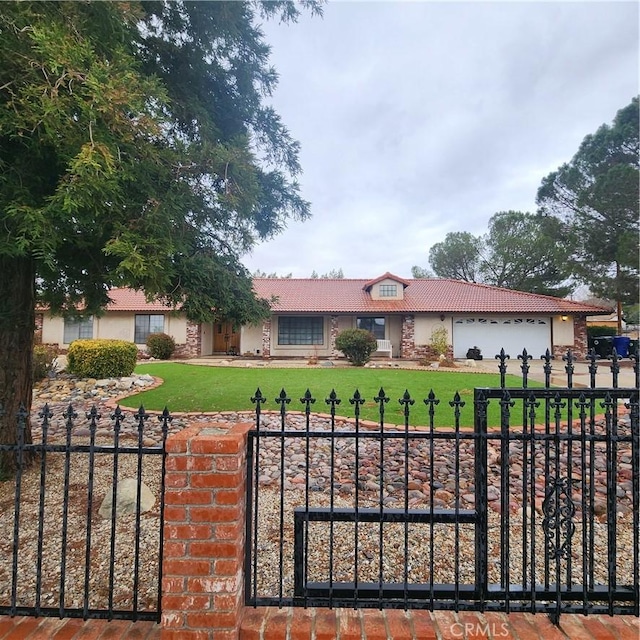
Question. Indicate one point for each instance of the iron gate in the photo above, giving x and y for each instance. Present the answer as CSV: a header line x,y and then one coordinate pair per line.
x,y
535,508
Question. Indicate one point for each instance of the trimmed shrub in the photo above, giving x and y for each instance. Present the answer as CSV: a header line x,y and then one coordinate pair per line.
x,y
160,345
440,341
357,345
101,358
44,360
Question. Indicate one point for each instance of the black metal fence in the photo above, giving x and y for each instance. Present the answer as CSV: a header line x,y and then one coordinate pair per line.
x,y
535,510
66,552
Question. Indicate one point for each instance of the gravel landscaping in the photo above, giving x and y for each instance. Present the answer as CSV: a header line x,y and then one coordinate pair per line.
x,y
452,547
436,485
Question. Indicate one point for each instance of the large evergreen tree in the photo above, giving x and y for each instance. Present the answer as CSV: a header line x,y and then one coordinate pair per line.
x,y
522,251
596,195
458,256
136,149
527,252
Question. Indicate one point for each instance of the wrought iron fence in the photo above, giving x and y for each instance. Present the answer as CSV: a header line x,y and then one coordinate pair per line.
x,y
538,512
62,552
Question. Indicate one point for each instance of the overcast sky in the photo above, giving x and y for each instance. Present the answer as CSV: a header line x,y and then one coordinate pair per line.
x,y
416,119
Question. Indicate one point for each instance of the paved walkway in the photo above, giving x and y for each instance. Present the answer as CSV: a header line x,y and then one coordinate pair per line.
x,y
302,624
23,628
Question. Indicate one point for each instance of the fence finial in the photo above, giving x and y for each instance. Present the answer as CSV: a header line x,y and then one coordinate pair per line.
x,y
525,357
502,367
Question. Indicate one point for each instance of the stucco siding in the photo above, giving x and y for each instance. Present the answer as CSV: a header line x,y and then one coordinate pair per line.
x,y
346,322
114,326
563,331
52,329
394,328
425,325
251,339
206,338
118,326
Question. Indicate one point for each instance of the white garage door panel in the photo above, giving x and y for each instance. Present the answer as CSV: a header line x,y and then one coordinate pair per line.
x,y
490,334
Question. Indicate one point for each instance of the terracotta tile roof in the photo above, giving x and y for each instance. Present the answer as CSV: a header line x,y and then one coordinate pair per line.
x,y
123,299
319,295
421,295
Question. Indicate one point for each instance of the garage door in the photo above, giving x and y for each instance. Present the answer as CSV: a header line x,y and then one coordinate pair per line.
x,y
492,333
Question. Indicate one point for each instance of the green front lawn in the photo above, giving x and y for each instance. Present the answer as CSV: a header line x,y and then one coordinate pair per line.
x,y
200,388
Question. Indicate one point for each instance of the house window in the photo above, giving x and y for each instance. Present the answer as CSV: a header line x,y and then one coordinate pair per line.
x,y
146,324
300,330
77,329
374,325
388,290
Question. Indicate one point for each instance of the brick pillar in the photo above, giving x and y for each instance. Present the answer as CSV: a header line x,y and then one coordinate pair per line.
x,y
204,530
580,342
332,338
192,348
408,344
266,338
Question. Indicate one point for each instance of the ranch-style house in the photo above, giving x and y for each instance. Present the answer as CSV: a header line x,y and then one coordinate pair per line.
x,y
308,314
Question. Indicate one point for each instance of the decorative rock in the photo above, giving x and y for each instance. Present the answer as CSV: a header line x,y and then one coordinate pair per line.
x,y
600,508
126,499
443,495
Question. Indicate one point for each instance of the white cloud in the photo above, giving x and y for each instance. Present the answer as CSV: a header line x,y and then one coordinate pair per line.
x,y
420,118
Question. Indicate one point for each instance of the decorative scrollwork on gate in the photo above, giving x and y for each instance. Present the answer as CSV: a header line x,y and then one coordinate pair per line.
x,y
558,510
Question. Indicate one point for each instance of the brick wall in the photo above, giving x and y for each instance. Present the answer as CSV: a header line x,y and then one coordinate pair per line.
x,y
203,576
580,343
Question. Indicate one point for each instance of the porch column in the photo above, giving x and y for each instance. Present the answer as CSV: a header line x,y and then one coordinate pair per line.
x,y
266,338
332,338
580,341
408,344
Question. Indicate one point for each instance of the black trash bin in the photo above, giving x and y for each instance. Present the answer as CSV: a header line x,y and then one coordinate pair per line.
x,y
603,346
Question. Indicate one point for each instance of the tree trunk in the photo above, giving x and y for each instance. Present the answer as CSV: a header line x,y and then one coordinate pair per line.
x,y
619,312
618,301
17,324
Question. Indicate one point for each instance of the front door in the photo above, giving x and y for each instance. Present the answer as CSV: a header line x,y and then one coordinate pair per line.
x,y
226,338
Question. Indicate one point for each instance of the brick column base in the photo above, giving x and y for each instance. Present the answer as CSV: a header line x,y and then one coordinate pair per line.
x,y
204,531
